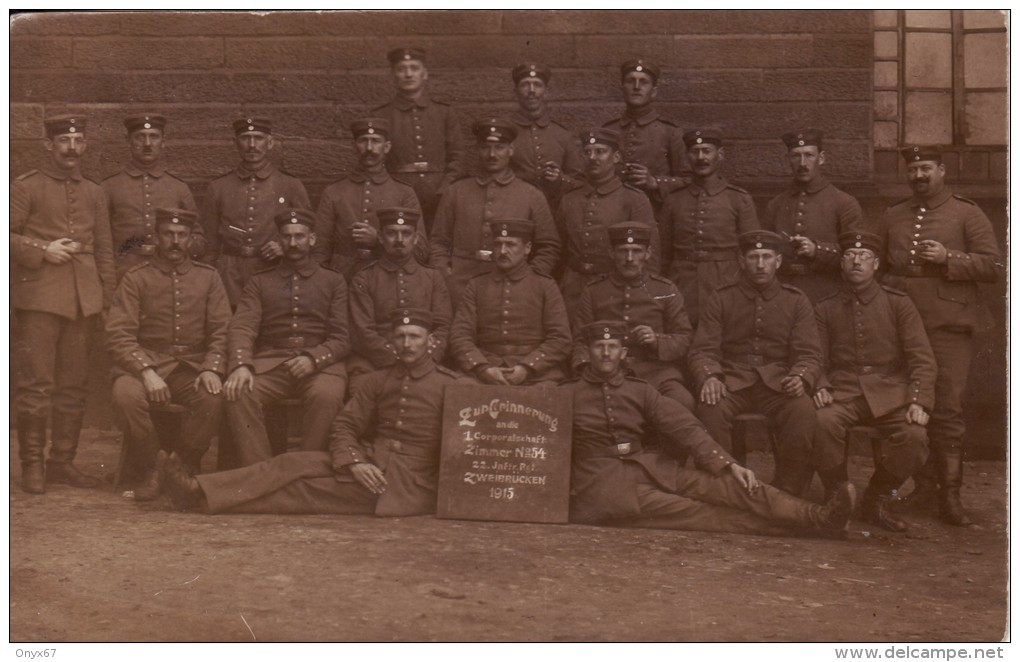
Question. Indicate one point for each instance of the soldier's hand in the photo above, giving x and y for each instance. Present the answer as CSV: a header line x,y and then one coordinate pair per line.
x,y
209,381
59,251
300,366
369,475
917,414
156,389
493,376
933,251
364,235
640,176
550,171
713,391
745,477
271,250
238,380
805,247
515,375
793,386
645,335
823,398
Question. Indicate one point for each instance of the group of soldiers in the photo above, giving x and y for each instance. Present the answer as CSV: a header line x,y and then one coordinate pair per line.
x,y
617,264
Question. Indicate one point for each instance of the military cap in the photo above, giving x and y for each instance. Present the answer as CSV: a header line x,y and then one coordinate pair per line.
x,y
803,138
921,153
604,330
868,240
640,66
630,233
252,123
531,70
370,125
701,136
494,130
513,227
760,239
405,53
146,121
417,316
397,216
176,217
62,124
600,135
295,217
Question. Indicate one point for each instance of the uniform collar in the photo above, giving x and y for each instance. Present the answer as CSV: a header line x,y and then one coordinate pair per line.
x,y
815,186
522,270
403,103
712,186
848,293
606,187
523,120
933,202
502,180
133,170
423,367
752,292
615,379
410,266
56,173
286,271
163,265
360,176
244,173
644,119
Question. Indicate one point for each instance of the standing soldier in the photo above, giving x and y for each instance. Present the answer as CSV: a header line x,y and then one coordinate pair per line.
x,y
142,186
239,208
700,224
811,216
288,338
939,246
167,334
427,144
347,232
546,154
462,239
652,147
62,277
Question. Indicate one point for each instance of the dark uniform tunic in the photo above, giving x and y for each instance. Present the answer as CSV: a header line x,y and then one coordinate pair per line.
x,y
542,140
376,292
238,212
652,141
614,479
402,406
462,239
54,304
285,313
877,361
946,296
133,195
699,226
428,147
650,300
174,320
820,212
354,200
505,320
751,339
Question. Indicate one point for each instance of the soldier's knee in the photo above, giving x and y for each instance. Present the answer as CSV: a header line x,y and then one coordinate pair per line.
x,y
128,392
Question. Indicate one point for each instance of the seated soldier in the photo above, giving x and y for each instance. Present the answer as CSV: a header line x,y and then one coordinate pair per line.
x,y
167,335
615,480
757,349
511,324
384,448
288,338
650,306
396,280
880,371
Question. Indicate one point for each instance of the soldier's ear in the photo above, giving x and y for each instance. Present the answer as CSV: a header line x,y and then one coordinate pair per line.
x,y
722,153
48,144
311,239
779,260
270,143
623,352
617,157
821,157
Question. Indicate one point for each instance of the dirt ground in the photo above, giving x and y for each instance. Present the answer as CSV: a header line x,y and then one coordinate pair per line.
x,y
94,566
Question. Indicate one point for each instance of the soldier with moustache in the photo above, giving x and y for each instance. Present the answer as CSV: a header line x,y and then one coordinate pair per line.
x,y
346,229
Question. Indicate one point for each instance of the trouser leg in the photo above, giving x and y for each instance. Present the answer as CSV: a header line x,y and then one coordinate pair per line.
x,y
830,442
903,447
202,419
953,353
718,418
794,423
322,397
35,349
132,409
663,510
247,419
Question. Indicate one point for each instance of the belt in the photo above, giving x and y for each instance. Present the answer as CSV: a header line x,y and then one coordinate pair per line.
x,y
866,369
242,251
481,255
417,166
174,350
706,256
917,271
746,359
616,450
401,448
590,264
290,342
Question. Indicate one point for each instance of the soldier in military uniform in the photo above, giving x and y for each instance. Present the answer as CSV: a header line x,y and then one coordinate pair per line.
x,y
811,216
239,208
62,277
395,281
652,148
757,349
616,480
700,224
879,371
511,326
938,247
167,335
546,155
347,232
428,148
462,239
659,332
142,186
383,453
288,338
589,208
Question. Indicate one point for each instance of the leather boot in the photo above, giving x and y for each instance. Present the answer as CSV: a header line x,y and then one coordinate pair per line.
x,y
151,487
836,512
793,476
881,493
184,490
31,444
64,437
806,517
925,494
832,478
950,508
192,459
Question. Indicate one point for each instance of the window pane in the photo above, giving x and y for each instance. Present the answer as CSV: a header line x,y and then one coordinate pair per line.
x,y
981,18
929,18
887,106
929,60
886,18
886,74
887,44
929,118
986,116
984,63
